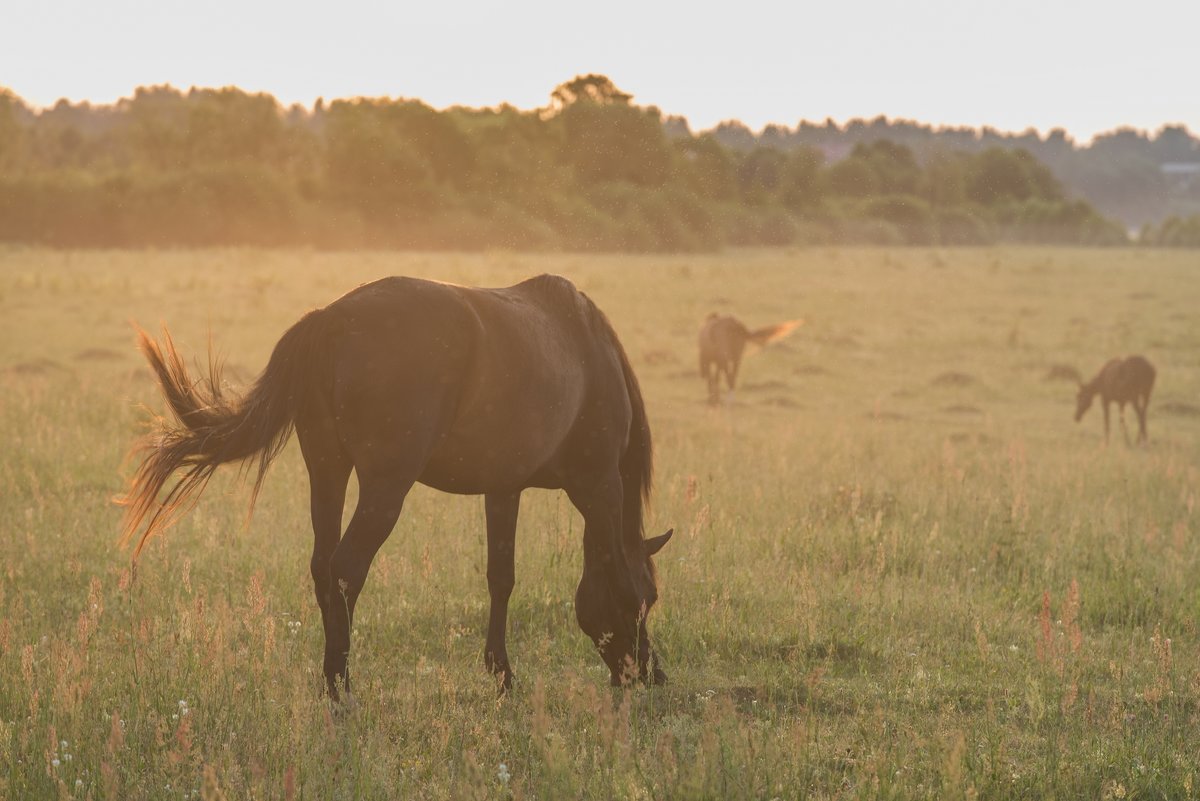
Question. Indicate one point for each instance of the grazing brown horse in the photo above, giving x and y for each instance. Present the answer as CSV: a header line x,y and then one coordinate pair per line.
x,y
723,340
471,391
1127,380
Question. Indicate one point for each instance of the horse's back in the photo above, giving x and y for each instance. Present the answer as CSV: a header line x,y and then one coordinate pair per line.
x,y
1138,373
1123,379
502,380
721,337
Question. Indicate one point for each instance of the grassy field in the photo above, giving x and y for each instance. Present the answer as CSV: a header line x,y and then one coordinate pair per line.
x,y
900,570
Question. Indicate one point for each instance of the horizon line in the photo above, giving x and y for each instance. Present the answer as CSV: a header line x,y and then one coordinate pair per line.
x,y
1042,133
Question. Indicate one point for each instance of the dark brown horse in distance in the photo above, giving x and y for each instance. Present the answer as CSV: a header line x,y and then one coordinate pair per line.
x,y
1128,380
471,391
723,340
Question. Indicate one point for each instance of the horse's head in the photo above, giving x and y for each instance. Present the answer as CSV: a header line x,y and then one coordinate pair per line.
x,y
621,637
1083,401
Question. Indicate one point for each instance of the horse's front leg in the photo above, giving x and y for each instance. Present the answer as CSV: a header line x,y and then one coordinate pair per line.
x,y
501,510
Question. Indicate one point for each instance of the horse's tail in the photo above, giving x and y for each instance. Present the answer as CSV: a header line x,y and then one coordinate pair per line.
x,y
773,333
215,428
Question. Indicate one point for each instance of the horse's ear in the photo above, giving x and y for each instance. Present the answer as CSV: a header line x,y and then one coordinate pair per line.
x,y
655,544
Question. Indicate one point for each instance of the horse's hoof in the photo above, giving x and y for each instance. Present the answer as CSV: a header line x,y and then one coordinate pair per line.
x,y
657,677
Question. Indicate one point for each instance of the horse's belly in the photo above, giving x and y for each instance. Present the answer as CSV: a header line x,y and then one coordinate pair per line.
x,y
491,465
485,453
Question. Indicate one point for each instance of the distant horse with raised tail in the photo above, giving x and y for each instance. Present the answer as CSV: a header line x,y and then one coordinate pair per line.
x,y
471,391
723,340
1129,380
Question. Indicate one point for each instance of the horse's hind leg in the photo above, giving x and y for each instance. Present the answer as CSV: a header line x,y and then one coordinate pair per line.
x,y
380,499
1124,427
501,510
328,473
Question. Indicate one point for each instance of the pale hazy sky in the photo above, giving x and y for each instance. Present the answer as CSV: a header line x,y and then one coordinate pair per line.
x,y
1084,65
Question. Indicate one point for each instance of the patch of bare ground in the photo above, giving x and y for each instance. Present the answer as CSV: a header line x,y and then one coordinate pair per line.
x,y
962,408
35,367
1062,372
964,437
758,386
1179,409
838,340
954,378
654,357
97,355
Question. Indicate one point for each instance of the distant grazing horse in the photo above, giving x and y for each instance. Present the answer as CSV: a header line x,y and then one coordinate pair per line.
x,y
1127,380
723,340
471,391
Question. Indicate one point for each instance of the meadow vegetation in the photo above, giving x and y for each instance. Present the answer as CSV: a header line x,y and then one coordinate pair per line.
x,y
900,570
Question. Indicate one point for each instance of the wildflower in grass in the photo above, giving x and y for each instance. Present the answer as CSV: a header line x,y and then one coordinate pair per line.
x,y
502,774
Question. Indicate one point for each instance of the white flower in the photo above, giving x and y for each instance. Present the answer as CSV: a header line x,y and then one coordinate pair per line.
x,y
55,762
79,784
502,774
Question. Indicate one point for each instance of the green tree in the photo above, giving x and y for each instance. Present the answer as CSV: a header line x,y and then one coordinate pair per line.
x,y
998,174
852,178
597,89
801,188
709,167
760,175
609,139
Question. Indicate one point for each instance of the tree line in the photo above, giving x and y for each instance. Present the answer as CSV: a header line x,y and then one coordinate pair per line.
x,y
1136,177
590,171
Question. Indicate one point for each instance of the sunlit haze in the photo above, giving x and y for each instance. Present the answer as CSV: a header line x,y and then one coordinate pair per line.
x,y
1087,67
